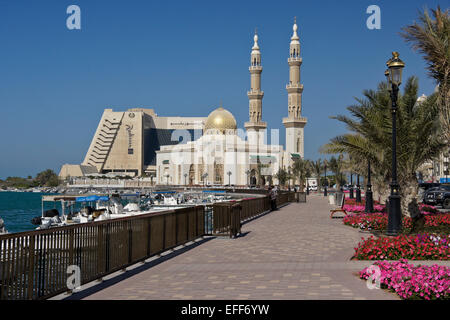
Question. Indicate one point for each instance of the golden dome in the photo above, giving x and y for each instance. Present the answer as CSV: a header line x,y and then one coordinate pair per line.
x,y
220,120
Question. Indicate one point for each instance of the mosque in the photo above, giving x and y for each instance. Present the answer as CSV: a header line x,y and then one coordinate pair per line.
x,y
199,150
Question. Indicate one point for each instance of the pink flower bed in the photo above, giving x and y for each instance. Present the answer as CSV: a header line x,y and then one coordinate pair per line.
x,y
427,209
361,208
410,282
379,220
414,247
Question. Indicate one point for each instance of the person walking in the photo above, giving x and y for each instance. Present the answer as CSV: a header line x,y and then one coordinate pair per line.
x,y
273,198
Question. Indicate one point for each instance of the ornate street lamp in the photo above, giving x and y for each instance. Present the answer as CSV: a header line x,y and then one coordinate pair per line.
x,y
326,183
395,65
167,179
358,190
351,185
185,176
229,177
369,198
204,178
151,178
289,178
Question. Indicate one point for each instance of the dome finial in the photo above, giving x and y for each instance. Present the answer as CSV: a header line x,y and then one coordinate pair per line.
x,y
295,28
255,39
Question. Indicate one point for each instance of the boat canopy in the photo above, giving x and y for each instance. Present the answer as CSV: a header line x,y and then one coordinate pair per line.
x,y
214,191
164,192
92,198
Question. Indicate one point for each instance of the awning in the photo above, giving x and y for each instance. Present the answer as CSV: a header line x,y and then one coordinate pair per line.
x,y
262,159
295,156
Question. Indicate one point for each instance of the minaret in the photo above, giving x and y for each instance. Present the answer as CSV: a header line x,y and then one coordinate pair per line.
x,y
294,123
255,127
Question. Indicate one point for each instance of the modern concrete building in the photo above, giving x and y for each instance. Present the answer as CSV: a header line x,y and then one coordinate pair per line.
x,y
126,142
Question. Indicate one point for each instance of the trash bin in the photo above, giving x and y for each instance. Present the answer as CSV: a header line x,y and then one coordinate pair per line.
x,y
301,196
339,197
331,199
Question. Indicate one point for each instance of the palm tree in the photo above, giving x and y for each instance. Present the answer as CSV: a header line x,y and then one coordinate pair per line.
x,y
417,136
325,169
301,169
430,37
337,166
316,168
281,175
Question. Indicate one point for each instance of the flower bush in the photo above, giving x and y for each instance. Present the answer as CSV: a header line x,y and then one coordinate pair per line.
x,y
414,247
351,205
367,221
353,201
361,208
427,209
411,282
379,221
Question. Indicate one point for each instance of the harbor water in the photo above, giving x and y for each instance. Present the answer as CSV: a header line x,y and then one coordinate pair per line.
x,y
18,208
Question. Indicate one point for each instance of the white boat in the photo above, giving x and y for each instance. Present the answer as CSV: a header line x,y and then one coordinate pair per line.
x,y
2,227
93,208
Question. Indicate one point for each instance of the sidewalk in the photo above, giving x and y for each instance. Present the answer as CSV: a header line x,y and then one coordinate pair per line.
x,y
296,252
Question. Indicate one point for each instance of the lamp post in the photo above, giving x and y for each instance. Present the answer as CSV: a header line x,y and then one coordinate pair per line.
x,y
326,183
369,199
289,178
204,178
248,176
229,177
151,178
351,185
394,75
185,176
446,163
167,179
358,190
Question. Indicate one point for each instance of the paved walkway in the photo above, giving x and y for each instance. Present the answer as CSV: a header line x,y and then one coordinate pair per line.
x,y
296,252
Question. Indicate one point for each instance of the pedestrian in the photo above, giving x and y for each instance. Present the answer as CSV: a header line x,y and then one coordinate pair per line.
x,y
273,198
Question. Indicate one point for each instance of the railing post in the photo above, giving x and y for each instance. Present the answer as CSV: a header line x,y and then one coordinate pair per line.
x,y
100,250
130,241
31,270
107,257
164,232
176,228
149,235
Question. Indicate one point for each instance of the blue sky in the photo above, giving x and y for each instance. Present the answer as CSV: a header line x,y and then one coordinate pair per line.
x,y
182,58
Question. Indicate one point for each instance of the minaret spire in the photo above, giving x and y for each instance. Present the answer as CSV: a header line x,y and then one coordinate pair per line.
x,y
294,123
255,126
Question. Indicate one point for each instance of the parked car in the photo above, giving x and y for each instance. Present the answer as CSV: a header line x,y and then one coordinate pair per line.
x,y
312,188
424,187
438,196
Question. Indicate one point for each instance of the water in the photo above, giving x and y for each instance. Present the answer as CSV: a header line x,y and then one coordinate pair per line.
x,y
18,208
